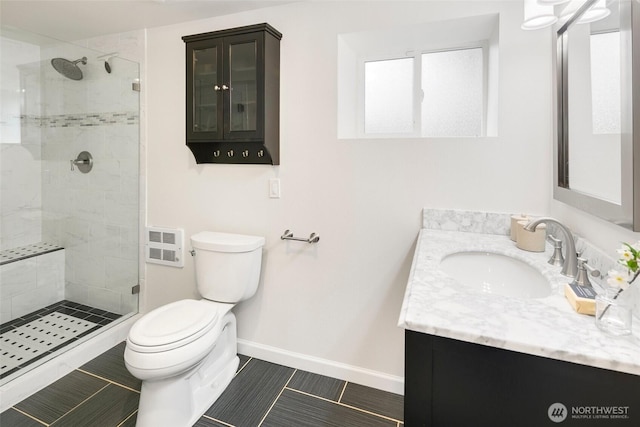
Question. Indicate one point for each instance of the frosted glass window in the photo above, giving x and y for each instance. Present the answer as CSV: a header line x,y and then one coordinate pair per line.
x,y
388,98
452,85
605,83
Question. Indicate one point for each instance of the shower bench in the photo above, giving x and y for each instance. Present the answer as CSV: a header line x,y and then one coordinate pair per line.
x,y
31,277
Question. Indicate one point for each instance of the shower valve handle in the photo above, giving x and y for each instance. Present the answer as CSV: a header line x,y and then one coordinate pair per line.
x,y
78,162
84,162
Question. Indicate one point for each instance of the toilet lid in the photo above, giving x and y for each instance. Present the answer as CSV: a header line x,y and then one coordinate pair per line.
x,y
174,324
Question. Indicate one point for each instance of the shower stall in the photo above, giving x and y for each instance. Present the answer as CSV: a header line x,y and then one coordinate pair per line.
x,y
69,197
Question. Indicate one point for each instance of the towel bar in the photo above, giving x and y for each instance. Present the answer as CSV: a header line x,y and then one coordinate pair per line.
x,y
288,235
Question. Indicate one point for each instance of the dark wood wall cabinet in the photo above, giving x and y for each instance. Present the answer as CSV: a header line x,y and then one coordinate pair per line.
x,y
451,383
233,95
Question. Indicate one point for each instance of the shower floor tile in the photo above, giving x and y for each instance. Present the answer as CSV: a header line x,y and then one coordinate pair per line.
x,y
19,345
31,337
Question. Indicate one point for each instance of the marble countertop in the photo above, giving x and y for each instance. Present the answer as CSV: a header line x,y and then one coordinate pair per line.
x,y
437,304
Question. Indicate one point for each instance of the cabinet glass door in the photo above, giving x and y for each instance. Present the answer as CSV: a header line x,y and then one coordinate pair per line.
x,y
243,96
206,90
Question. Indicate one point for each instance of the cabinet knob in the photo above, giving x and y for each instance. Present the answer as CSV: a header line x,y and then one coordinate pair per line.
x,y
245,153
225,87
216,153
260,153
217,88
230,153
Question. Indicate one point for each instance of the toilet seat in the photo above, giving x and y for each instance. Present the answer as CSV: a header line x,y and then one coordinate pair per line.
x,y
173,325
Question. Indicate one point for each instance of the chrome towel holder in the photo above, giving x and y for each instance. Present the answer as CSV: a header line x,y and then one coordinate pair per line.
x,y
288,235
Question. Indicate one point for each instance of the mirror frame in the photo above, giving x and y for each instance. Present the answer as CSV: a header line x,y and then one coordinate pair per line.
x,y
626,214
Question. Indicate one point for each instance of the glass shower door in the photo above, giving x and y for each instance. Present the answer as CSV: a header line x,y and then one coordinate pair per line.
x,y
95,215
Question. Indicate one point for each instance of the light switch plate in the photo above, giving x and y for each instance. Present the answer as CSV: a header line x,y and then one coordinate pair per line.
x,y
274,188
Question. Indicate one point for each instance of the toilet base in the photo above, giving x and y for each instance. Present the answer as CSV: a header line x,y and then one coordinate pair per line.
x,y
181,400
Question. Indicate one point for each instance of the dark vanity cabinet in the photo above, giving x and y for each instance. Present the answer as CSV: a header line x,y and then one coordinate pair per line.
x,y
451,383
233,95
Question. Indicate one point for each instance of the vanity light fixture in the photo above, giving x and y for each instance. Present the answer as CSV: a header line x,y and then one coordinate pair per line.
x,y
540,14
537,15
596,12
553,2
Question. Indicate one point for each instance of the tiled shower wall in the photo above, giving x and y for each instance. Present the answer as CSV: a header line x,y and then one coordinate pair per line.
x,y
94,216
20,173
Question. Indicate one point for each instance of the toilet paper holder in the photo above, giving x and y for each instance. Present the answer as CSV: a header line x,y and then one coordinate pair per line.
x,y
288,235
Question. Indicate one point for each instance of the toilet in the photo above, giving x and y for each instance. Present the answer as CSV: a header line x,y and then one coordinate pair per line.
x,y
185,352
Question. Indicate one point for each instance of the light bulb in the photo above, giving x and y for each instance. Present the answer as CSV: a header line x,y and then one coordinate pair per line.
x,y
537,16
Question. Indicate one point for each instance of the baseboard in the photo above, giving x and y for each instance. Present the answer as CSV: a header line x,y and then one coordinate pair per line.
x,y
367,377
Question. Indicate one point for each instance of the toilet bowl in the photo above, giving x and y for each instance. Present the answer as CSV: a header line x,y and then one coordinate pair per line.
x,y
174,338
185,352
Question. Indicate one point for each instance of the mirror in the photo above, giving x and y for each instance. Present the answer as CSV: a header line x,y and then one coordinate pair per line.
x,y
594,167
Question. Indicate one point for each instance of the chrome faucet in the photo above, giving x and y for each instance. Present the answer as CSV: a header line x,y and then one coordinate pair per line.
x,y
570,265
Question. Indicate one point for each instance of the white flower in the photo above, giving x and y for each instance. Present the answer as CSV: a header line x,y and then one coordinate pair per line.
x,y
618,279
625,254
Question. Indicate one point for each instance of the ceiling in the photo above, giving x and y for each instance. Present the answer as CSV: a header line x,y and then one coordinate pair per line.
x,y
72,20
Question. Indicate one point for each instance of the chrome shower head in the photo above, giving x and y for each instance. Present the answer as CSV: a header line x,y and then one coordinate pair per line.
x,y
108,60
69,69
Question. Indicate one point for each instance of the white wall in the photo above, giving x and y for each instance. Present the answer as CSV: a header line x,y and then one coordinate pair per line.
x,y
340,299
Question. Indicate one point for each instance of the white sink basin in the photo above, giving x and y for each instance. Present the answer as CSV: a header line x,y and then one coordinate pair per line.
x,y
496,274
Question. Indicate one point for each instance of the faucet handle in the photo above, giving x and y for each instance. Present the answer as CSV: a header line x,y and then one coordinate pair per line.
x,y
594,272
556,258
554,241
584,269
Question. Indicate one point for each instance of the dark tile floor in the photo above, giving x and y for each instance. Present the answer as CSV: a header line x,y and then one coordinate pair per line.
x,y
80,311
102,393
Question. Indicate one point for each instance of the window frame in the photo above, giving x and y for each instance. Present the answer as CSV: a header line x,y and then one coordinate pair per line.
x,y
361,97
418,94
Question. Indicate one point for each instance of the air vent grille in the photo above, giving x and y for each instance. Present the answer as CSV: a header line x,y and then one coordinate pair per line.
x,y
155,253
169,255
165,246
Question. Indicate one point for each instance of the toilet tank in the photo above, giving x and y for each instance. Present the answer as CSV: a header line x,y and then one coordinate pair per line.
x,y
227,265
